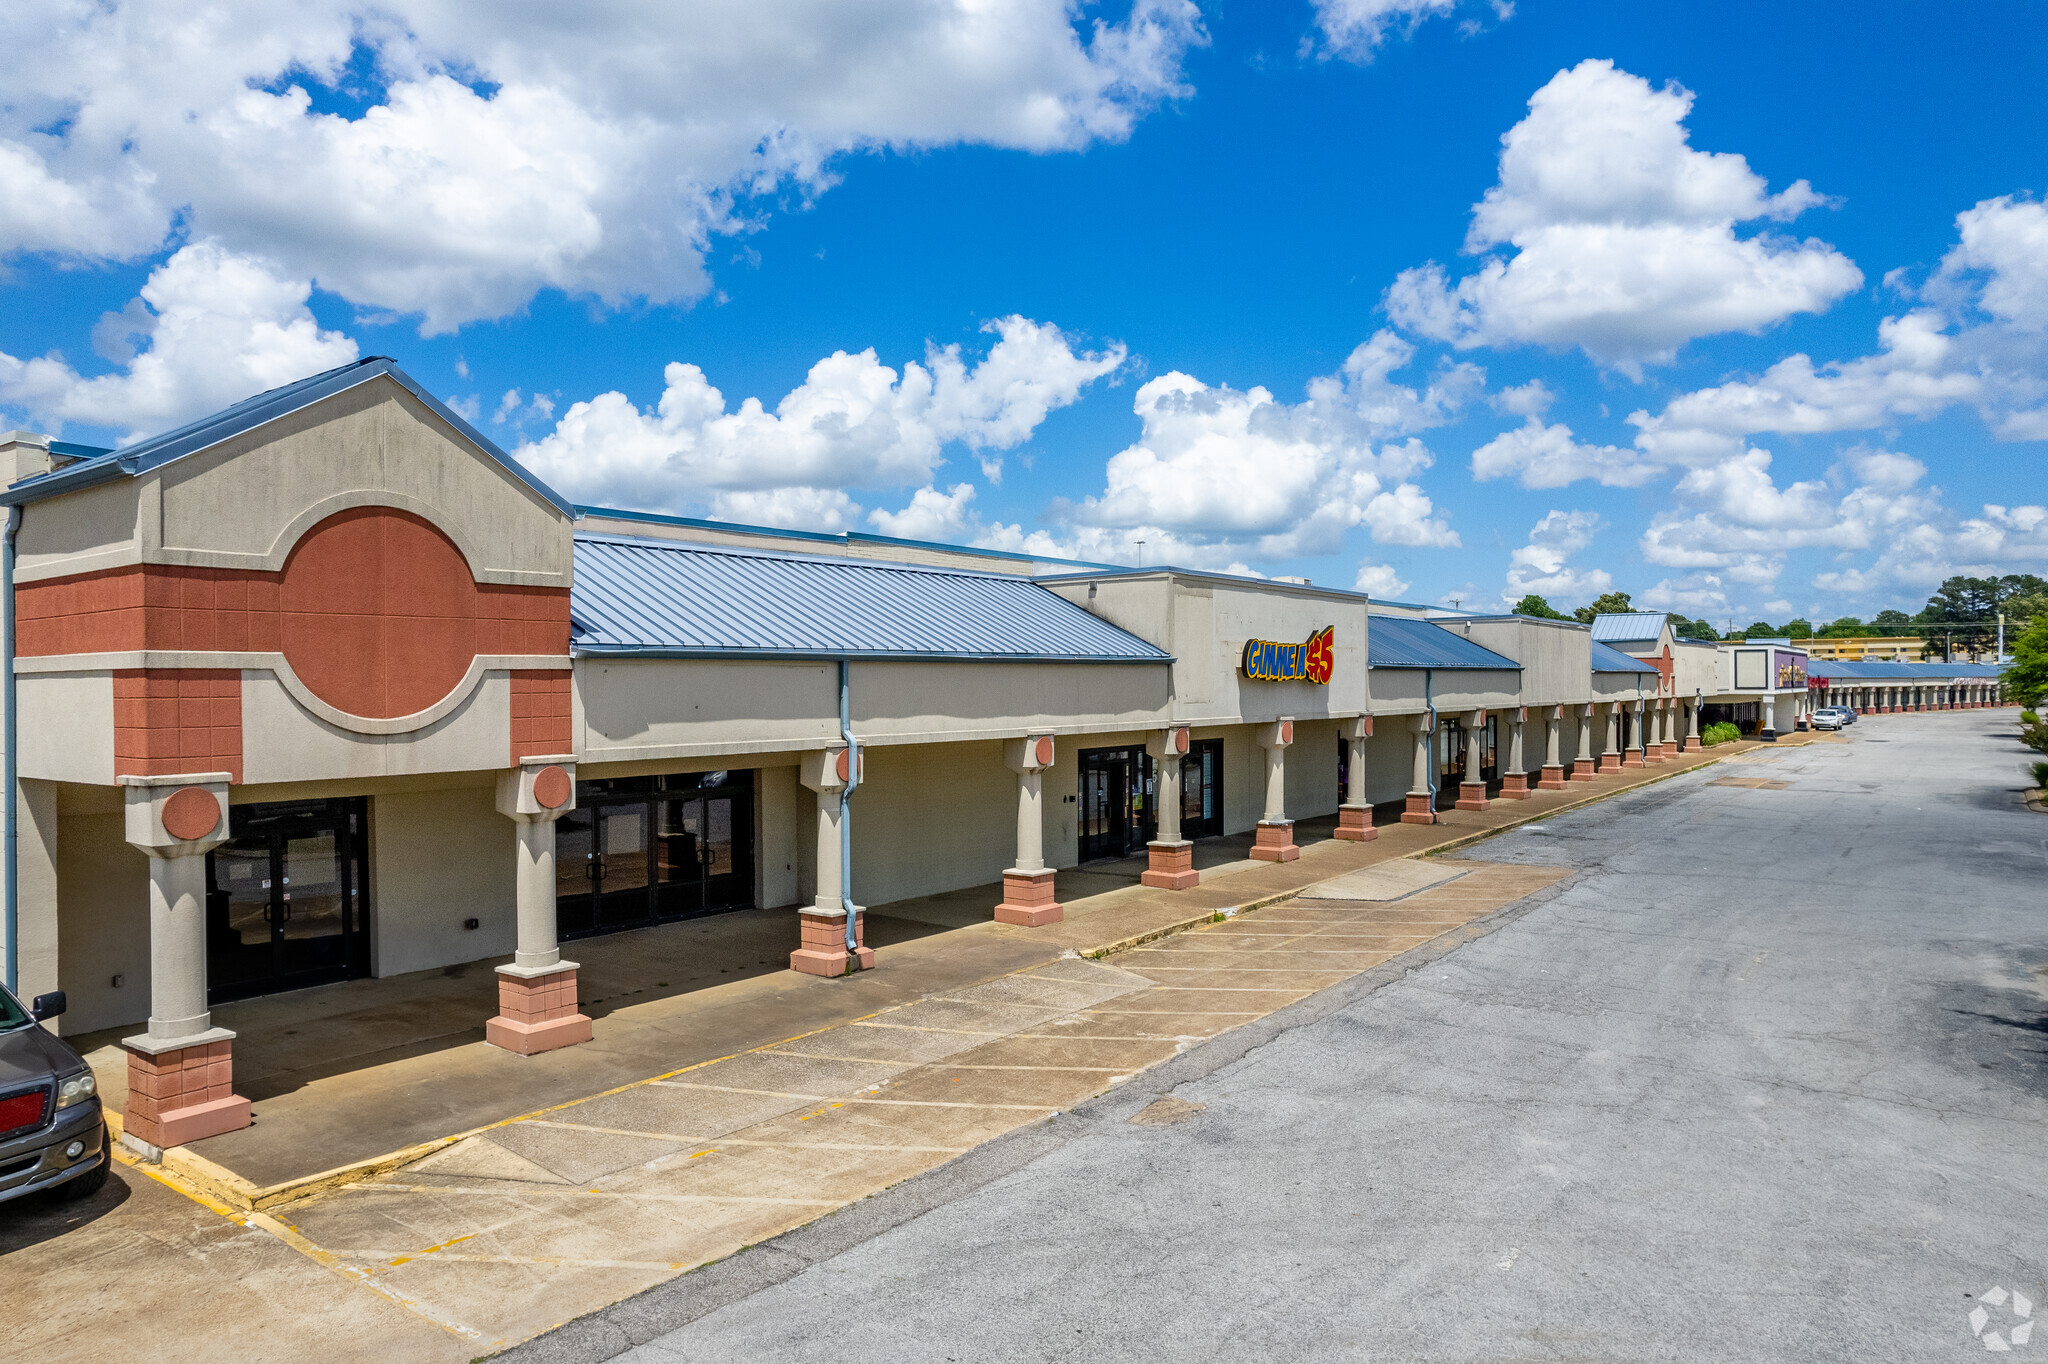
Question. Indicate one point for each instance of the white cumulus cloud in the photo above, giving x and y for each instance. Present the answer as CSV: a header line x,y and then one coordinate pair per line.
x,y
1543,566
211,328
1539,456
853,423
1621,236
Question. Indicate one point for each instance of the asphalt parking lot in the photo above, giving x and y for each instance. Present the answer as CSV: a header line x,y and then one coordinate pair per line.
x,y
1766,1078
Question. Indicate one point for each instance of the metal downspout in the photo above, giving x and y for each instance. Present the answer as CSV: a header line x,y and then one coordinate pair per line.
x,y
845,813
1642,728
1429,707
11,890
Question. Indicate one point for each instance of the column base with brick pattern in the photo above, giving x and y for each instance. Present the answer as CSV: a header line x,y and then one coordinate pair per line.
x,y
1635,757
1274,841
537,1010
1515,786
1608,762
1582,769
824,951
181,1092
1552,779
1170,866
1670,749
1028,899
1472,795
1418,809
1354,824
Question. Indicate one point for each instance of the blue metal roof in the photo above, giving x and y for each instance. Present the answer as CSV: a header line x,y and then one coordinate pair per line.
x,y
1608,659
1404,642
668,599
246,415
1892,672
1633,625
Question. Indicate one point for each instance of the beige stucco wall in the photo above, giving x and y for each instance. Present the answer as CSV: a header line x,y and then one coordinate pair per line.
x,y
102,913
81,532
438,857
1389,762
36,915
284,742
785,820
652,709
931,818
67,726
1556,656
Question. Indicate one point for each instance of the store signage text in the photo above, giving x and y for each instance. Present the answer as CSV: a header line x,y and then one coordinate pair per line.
x,y
1266,660
1791,670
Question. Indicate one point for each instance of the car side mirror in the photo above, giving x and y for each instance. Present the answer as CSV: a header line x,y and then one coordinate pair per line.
x,y
47,1006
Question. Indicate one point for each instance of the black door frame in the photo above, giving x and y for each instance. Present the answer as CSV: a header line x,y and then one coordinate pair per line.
x,y
293,963
664,805
1195,826
1129,816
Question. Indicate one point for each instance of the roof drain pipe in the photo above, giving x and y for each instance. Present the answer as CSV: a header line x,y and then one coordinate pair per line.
x,y
845,813
1429,768
11,891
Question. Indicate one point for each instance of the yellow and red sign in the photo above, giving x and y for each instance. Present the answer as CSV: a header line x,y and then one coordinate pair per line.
x,y
1310,661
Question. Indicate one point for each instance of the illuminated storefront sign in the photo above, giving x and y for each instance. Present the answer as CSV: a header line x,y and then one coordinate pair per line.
x,y
1310,661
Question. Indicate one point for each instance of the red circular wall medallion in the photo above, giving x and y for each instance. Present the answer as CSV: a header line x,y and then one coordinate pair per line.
x,y
379,612
1287,731
1044,750
552,788
191,813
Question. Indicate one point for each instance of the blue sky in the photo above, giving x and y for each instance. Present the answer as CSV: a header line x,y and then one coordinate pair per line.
x,y
1201,214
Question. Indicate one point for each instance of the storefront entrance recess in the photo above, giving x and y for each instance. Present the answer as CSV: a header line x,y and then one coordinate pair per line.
x,y
1117,818
287,900
644,850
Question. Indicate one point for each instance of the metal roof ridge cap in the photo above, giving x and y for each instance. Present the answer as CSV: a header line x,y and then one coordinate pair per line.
x,y
1175,570
793,557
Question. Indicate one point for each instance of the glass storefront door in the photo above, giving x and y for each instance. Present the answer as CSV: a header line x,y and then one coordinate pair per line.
x,y
1117,818
287,902
1201,790
643,850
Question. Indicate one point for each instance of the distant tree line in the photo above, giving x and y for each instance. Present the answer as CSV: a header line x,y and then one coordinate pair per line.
x,y
1961,616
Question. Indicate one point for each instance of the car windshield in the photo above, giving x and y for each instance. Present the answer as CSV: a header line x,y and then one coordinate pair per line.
x,y
12,1015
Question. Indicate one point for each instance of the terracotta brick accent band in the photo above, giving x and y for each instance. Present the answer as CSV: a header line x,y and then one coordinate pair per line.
x,y
1552,779
1274,842
1418,810
1170,866
537,1014
540,714
1028,899
824,945
1582,769
1354,824
169,720
1472,795
1515,786
183,1095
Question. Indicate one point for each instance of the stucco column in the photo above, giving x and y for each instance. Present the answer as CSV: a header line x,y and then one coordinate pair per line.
x,y
1767,717
1472,791
1421,808
1169,858
1586,763
1631,731
537,1009
180,1071
1552,777
1610,738
822,923
1354,816
1028,885
1670,723
1274,841
1692,728
1514,777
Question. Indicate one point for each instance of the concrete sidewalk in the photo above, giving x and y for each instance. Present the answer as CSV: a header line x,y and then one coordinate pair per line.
x,y
356,1078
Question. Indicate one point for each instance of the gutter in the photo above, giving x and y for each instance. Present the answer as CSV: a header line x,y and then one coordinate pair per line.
x,y
1429,708
11,889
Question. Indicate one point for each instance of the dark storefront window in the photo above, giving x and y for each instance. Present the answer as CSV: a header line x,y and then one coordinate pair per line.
x,y
1115,799
643,850
1201,790
287,898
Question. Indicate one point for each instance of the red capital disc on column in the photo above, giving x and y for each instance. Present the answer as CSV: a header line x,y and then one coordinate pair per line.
x,y
191,813
552,788
1045,751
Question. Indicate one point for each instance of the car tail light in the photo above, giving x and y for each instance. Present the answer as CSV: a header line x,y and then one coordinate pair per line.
x,y
23,1112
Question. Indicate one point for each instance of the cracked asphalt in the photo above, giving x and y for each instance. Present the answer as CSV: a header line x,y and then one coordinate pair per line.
x,y
1766,1078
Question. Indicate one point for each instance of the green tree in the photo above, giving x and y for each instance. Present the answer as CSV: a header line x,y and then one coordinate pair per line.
x,y
1533,605
1606,604
1891,620
1965,610
1704,629
2027,675
1761,629
1799,628
1842,627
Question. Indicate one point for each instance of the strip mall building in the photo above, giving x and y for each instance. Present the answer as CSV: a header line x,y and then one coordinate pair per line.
x,y
326,686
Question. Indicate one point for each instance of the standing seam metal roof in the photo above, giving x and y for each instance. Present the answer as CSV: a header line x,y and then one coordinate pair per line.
x,y
1631,625
1886,672
669,599
1608,659
1404,642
